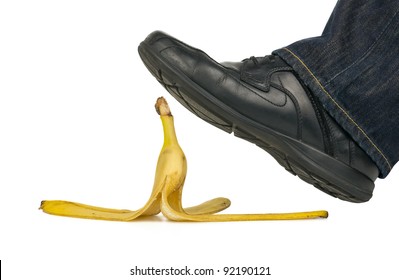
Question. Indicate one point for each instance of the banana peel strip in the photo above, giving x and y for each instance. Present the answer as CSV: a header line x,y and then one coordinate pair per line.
x,y
166,196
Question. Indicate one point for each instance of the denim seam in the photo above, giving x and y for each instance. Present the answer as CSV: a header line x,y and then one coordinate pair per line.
x,y
339,107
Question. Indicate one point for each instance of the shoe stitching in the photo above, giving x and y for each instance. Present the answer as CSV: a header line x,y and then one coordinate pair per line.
x,y
339,107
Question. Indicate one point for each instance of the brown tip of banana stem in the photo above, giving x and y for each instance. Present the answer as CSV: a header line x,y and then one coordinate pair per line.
x,y
162,107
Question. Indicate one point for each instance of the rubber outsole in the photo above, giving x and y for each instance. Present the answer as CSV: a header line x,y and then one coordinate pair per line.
x,y
311,165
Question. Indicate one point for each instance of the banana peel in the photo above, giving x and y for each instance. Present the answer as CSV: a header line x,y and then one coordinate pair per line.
x,y
166,195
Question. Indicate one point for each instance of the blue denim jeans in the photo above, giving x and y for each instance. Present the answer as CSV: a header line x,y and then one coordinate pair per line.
x,y
353,69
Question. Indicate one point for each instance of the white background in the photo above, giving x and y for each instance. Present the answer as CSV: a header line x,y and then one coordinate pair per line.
x,y
77,123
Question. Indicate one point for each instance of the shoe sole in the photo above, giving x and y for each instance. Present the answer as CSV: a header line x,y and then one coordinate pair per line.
x,y
311,165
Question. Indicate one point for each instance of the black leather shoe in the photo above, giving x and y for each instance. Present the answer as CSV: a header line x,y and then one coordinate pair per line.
x,y
261,100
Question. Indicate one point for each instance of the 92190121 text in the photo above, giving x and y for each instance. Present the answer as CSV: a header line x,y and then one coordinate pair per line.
x,y
186,271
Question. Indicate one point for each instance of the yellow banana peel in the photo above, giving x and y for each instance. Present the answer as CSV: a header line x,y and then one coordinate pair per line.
x,y
166,195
